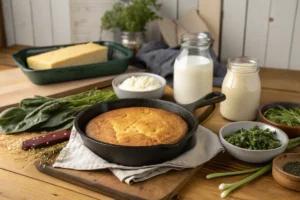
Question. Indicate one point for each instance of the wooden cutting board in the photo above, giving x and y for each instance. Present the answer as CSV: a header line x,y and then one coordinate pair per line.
x,y
164,186
15,86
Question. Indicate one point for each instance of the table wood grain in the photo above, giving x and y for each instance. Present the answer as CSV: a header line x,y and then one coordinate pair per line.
x,y
20,180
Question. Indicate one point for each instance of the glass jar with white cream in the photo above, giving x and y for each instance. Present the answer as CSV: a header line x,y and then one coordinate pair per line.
x,y
193,69
242,89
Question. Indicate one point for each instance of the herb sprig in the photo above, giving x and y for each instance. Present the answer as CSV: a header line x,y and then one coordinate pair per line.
x,y
281,115
130,15
254,139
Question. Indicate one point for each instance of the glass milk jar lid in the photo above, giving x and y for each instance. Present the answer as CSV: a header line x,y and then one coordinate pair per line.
x,y
243,65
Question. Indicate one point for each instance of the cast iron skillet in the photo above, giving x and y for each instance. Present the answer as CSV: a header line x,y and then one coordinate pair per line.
x,y
143,155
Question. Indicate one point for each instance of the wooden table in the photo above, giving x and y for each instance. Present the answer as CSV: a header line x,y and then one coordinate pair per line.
x,y
20,180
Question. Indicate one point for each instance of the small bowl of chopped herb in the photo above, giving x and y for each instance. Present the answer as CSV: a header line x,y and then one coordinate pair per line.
x,y
253,142
286,170
283,115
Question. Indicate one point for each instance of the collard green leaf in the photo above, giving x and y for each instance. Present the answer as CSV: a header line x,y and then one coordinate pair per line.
x,y
38,116
10,117
31,104
65,115
43,113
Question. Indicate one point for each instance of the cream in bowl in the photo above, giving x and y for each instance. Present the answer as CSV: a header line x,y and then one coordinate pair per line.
x,y
253,142
139,85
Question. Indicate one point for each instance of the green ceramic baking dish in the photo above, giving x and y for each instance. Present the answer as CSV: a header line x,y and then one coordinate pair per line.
x,y
118,61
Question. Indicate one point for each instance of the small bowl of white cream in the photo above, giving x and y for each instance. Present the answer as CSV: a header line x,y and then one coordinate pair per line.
x,y
139,85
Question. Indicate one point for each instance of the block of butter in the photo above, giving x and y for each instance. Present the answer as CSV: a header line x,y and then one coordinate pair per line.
x,y
81,54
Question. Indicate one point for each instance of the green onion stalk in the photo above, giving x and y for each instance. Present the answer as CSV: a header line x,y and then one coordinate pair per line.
x,y
229,187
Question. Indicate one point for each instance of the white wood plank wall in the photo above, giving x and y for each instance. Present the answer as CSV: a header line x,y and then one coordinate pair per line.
x,y
37,22
22,16
233,28
8,22
268,30
295,51
51,22
41,19
61,21
271,31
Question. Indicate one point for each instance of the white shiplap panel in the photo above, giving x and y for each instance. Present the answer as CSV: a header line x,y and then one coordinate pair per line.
x,y
295,51
233,28
185,5
8,22
280,33
210,12
169,9
153,32
42,25
23,22
86,19
257,29
60,13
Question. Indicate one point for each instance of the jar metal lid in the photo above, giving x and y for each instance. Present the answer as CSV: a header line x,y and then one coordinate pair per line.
x,y
243,64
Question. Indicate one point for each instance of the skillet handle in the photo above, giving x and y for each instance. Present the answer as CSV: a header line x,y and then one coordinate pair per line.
x,y
210,98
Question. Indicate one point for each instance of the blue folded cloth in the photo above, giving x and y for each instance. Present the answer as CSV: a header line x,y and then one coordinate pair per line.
x,y
159,58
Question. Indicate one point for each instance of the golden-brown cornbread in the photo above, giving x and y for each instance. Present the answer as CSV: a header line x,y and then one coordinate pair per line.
x,y
137,126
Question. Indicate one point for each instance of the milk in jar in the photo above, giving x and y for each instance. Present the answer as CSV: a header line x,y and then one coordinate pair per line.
x,y
193,69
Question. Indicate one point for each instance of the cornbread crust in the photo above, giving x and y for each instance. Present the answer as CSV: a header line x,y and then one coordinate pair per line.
x,y
137,126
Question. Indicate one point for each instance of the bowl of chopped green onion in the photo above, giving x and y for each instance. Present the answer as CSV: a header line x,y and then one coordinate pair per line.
x,y
253,142
283,115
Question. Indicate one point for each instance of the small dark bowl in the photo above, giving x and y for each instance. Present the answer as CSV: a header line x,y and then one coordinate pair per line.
x,y
291,131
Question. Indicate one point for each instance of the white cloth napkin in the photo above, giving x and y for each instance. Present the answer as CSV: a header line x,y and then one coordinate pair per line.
x,y
77,156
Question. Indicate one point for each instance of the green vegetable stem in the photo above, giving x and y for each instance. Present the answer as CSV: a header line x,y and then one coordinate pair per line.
x,y
229,187
44,113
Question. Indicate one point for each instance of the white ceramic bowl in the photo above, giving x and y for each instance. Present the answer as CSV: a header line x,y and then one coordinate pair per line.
x,y
252,156
151,94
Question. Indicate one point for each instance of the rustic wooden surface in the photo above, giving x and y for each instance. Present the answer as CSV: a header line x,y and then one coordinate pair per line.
x,y
163,187
20,180
15,86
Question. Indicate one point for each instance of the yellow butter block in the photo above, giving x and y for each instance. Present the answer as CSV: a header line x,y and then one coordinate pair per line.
x,y
81,54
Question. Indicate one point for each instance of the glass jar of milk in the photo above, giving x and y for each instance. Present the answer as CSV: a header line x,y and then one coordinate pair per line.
x,y
242,89
193,69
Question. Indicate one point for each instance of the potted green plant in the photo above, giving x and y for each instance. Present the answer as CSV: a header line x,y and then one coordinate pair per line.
x,y
131,17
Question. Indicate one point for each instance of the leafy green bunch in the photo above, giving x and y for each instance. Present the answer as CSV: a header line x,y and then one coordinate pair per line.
x,y
130,15
47,114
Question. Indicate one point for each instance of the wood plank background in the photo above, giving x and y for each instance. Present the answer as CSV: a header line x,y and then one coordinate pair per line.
x,y
268,30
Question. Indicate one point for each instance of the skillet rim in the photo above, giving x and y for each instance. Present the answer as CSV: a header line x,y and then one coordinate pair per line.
x,y
183,139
